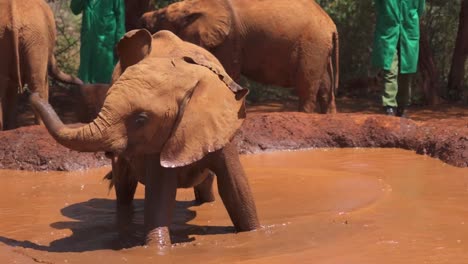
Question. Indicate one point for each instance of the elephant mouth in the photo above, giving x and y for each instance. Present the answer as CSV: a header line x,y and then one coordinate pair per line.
x,y
126,153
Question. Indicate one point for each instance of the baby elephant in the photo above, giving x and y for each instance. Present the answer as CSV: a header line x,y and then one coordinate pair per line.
x,y
172,112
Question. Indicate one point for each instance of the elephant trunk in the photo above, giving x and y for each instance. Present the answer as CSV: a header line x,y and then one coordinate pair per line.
x,y
86,138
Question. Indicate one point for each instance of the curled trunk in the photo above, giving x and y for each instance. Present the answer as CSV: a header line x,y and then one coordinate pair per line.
x,y
86,138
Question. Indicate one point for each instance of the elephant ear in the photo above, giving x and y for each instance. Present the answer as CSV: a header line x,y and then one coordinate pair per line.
x,y
217,69
208,24
208,118
133,47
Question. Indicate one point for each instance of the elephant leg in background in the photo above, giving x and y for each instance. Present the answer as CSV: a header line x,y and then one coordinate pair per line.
x,y
1,107
5,67
3,88
307,92
326,93
160,198
234,189
7,104
312,67
10,105
35,63
204,190
308,80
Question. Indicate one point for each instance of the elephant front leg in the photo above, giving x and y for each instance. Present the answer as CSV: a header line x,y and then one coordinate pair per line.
x,y
160,194
234,189
125,192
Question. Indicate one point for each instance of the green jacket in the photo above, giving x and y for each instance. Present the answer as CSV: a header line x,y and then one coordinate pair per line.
x,y
102,27
397,28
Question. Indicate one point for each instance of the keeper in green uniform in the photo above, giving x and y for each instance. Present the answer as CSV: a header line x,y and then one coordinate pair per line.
x,y
396,49
102,27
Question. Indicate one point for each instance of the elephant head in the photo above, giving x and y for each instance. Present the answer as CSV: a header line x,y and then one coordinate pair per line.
x,y
202,22
179,107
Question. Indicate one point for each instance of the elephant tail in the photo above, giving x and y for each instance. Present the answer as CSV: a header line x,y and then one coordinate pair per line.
x,y
16,46
55,72
336,62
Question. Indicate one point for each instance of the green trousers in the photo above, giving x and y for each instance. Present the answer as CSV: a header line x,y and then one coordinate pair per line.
x,y
397,87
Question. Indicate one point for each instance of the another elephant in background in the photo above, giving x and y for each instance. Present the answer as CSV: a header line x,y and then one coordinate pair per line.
x,y
90,100
133,11
171,112
27,40
278,42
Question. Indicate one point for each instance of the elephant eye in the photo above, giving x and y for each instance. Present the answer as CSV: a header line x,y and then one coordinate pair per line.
x,y
141,119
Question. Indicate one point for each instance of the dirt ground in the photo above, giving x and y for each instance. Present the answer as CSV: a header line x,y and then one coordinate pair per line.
x,y
439,131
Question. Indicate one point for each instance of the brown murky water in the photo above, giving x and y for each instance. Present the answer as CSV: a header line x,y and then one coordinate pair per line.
x,y
320,206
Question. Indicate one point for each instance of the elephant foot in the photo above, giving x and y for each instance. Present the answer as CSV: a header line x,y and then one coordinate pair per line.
x,y
159,237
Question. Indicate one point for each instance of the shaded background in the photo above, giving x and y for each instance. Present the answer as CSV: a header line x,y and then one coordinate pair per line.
x,y
442,71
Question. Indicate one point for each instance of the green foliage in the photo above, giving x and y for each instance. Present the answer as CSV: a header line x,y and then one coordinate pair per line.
x,y
356,22
67,47
163,3
441,19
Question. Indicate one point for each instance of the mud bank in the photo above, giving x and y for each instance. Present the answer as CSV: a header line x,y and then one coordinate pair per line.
x,y
444,139
32,148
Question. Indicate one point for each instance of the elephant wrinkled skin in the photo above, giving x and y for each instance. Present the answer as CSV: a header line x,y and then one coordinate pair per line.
x,y
27,40
278,42
167,121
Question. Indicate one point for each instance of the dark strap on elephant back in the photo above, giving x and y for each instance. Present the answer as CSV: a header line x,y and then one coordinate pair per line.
x,y
238,90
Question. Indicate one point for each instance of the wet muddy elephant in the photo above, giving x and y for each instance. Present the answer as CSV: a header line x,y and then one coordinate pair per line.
x,y
27,40
171,113
278,42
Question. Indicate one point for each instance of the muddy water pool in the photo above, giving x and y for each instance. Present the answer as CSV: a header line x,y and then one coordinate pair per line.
x,y
318,206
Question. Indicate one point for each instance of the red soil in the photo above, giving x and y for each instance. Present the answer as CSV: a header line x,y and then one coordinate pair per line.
x,y
442,132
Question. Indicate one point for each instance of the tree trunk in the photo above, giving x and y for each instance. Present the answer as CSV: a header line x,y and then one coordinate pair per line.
x,y
133,11
428,74
457,70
